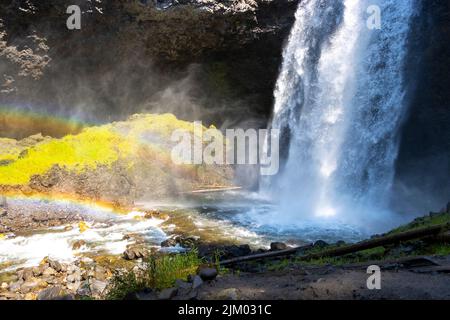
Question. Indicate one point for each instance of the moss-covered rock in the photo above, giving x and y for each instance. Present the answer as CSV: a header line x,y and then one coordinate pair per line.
x,y
118,162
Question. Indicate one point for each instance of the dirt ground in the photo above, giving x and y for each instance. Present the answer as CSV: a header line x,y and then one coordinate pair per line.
x,y
420,282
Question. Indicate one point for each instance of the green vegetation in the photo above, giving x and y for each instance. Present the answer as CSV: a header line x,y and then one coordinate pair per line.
x,y
404,249
159,272
147,135
426,221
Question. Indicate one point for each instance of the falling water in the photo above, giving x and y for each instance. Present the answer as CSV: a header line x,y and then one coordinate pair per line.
x,y
339,103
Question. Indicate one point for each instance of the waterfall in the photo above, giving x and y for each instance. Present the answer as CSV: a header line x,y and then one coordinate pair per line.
x,y
339,103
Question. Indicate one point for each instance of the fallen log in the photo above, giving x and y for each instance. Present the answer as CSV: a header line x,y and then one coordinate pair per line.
x,y
211,190
443,237
381,241
340,251
265,255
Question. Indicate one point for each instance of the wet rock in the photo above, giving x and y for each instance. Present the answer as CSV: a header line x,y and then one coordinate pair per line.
x,y
277,246
78,244
320,244
156,214
196,282
167,294
134,253
207,274
186,242
169,243
183,241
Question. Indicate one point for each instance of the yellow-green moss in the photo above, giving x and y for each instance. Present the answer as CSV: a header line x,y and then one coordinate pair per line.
x,y
88,149
94,146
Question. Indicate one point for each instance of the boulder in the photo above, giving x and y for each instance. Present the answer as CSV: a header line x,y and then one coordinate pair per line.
x,y
276,246
207,273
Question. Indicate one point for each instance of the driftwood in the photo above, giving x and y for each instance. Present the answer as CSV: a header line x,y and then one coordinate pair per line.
x,y
432,231
216,189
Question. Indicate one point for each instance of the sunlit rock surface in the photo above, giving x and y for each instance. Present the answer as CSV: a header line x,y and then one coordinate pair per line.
x,y
117,162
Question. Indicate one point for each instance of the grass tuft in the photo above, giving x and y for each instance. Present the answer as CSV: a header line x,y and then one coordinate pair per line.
x,y
158,272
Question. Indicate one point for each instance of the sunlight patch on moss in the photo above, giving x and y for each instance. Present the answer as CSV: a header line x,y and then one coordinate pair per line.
x,y
94,146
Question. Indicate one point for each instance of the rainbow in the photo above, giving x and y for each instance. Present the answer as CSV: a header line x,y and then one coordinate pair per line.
x,y
18,123
67,199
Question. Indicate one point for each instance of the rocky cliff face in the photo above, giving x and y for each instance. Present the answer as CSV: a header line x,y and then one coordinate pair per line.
x,y
220,54
423,173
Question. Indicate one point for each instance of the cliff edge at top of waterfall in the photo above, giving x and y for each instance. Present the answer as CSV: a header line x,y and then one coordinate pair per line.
x,y
118,162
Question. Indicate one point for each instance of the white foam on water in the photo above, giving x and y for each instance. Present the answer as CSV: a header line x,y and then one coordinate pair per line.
x,y
101,237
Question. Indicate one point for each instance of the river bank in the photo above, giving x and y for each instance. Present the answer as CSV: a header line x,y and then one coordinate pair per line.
x,y
113,258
